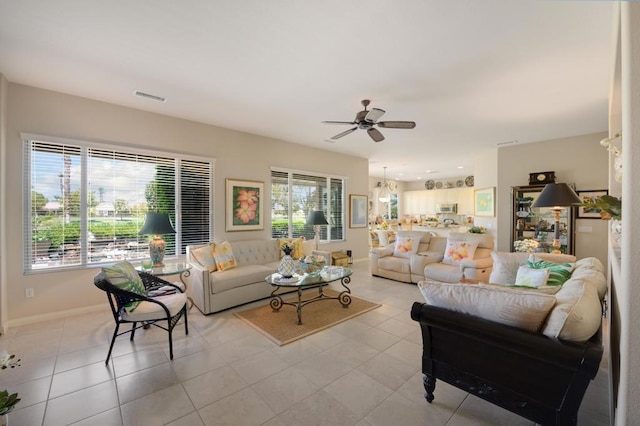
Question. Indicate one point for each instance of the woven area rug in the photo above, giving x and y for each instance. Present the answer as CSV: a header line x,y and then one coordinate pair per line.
x,y
281,326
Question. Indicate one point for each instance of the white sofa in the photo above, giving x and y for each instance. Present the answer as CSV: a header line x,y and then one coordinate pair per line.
x,y
427,261
218,290
477,269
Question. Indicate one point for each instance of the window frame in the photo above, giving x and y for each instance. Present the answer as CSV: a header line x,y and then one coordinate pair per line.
x,y
325,232
85,146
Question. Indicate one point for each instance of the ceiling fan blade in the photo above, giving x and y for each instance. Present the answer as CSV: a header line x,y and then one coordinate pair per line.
x,y
345,133
375,135
338,122
397,124
374,115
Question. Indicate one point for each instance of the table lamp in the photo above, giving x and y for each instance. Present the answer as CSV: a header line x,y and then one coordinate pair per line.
x,y
557,196
157,224
317,218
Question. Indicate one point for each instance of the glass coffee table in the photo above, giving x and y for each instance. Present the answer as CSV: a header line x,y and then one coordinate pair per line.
x,y
327,275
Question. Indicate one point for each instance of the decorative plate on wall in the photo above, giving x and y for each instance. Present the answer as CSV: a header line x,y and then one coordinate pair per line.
x,y
469,181
429,184
459,183
438,185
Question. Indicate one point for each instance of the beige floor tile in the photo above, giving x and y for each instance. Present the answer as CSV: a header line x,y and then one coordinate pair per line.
x,y
320,409
107,418
326,338
352,352
192,419
284,389
243,408
136,361
322,368
158,408
80,358
377,339
406,351
396,327
245,346
358,392
388,370
259,366
295,352
32,392
478,412
30,369
372,318
80,378
397,410
198,363
145,382
28,416
213,386
79,405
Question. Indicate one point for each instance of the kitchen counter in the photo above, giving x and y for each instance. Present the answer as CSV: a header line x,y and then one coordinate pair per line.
x,y
441,230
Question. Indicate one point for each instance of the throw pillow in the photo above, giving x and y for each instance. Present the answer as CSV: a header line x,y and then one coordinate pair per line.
x,y
530,277
406,246
558,272
125,276
204,257
224,256
296,243
457,251
505,267
517,308
577,314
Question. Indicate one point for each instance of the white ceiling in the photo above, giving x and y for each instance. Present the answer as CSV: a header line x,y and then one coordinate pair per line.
x,y
470,73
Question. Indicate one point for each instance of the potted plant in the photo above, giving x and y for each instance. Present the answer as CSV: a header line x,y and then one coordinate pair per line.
x,y
7,401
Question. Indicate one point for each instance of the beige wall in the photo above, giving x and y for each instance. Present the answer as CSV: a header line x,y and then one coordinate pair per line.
x,y
580,160
238,155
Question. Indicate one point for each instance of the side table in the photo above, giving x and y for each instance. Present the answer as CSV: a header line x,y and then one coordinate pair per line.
x,y
182,269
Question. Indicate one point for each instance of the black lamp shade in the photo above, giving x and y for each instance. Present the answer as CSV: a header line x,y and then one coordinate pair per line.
x,y
317,217
157,224
557,195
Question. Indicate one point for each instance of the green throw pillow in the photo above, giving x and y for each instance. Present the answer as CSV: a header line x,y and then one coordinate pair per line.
x,y
125,276
558,272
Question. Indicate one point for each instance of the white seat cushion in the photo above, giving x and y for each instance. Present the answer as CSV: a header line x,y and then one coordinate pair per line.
x,y
522,309
148,311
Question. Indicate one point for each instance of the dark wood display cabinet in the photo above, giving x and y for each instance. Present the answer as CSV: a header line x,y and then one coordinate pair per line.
x,y
538,223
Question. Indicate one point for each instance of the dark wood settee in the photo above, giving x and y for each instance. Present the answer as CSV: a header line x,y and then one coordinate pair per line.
x,y
540,378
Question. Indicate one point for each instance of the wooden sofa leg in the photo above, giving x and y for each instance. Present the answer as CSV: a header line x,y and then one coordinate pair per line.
x,y
429,386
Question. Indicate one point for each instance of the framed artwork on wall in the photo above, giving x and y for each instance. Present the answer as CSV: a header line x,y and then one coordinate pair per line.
x,y
358,211
244,206
484,202
586,197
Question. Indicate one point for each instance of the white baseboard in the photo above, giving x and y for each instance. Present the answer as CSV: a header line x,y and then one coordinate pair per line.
x,y
55,315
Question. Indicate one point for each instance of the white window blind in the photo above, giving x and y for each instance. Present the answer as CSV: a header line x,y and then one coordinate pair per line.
x,y
296,194
87,203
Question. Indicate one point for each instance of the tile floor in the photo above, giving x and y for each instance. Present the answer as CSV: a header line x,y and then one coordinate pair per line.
x,y
362,372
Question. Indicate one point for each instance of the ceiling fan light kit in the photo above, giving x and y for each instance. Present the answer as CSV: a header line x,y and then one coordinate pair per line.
x,y
366,120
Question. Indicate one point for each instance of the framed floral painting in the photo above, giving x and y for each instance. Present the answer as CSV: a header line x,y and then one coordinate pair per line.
x,y
585,212
245,209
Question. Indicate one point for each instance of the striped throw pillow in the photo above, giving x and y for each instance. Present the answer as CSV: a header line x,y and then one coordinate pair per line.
x,y
558,272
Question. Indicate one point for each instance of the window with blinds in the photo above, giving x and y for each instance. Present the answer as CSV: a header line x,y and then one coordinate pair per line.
x,y
295,194
86,204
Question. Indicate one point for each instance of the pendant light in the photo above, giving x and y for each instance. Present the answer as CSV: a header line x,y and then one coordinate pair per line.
x,y
384,195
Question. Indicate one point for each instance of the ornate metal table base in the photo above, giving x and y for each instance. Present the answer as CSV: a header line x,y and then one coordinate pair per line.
x,y
344,297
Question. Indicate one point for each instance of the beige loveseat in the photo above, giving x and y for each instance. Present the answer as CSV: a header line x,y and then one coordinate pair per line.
x,y
213,290
426,261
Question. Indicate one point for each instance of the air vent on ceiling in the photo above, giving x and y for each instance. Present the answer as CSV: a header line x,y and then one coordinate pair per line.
x,y
149,96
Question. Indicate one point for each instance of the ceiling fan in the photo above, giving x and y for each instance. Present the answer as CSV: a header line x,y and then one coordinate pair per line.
x,y
367,119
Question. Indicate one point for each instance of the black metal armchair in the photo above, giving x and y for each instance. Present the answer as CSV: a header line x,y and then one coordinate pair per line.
x,y
151,310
